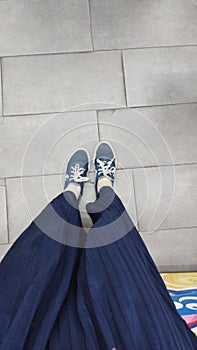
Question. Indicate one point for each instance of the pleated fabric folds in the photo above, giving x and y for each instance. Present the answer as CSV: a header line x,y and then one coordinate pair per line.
x,y
63,289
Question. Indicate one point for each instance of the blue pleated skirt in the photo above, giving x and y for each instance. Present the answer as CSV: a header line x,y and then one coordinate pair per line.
x,y
61,289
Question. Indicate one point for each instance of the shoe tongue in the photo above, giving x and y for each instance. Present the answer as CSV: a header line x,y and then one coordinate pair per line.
x,y
106,159
81,165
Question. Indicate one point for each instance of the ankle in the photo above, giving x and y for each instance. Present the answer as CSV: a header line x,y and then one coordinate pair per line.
x,y
75,188
103,182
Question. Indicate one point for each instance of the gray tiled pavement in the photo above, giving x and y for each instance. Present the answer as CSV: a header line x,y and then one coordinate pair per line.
x,y
40,144
28,196
166,197
3,215
161,76
133,23
56,94
175,258
55,83
151,136
47,26
0,91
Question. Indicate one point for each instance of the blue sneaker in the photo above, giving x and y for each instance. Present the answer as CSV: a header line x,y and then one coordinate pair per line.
x,y
77,169
105,163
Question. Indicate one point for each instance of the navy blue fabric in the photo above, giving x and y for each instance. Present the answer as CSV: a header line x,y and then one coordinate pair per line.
x,y
55,296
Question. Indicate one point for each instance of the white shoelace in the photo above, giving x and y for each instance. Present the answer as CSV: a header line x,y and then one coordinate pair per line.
x,y
76,174
105,168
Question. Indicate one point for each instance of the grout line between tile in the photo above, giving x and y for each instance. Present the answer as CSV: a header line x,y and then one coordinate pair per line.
x,y
31,54
2,100
163,105
98,126
98,50
124,78
47,113
7,215
147,47
118,169
168,229
161,166
90,22
93,109
135,201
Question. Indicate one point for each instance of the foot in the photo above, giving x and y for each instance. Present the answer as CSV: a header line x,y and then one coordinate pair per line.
x,y
105,166
76,172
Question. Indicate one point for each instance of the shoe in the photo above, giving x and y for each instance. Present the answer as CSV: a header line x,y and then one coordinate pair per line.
x,y
105,163
77,169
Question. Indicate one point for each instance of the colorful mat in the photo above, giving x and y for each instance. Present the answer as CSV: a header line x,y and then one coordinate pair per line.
x,y
183,290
